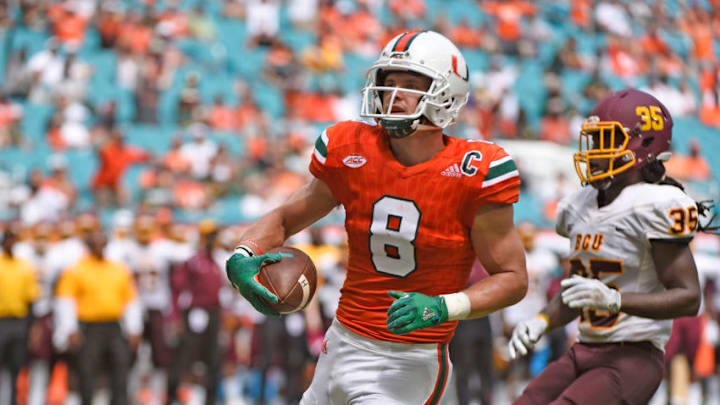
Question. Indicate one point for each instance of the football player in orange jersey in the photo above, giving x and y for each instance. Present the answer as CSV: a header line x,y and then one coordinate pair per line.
x,y
420,208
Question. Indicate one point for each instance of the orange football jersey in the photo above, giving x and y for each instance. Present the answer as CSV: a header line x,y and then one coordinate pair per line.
x,y
408,227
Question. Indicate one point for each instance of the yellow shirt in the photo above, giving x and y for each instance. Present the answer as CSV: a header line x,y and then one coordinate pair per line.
x,y
101,289
18,287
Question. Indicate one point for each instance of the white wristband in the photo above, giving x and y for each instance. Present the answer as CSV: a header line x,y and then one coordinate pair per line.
x,y
544,319
243,250
458,305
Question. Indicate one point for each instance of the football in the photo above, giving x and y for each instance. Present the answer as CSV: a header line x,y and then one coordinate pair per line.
x,y
293,280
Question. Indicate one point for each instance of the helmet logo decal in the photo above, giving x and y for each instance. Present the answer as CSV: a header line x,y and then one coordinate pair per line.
x,y
354,161
651,117
467,167
403,43
455,68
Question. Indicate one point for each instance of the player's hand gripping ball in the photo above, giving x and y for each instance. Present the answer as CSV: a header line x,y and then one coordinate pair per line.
x,y
281,281
293,279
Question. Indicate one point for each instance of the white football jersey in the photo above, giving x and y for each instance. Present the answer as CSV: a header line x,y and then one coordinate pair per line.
x,y
150,265
612,244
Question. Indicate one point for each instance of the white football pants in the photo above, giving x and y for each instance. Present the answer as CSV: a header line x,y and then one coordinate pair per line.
x,y
354,369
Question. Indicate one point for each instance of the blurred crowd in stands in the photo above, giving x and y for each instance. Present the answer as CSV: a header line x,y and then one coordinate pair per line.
x,y
200,98
142,117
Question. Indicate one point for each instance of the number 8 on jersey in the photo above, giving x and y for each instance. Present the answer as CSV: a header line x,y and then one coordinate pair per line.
x,y
393,230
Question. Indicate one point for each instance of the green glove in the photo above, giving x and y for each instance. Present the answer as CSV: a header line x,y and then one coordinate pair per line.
x,y
412,311
242,272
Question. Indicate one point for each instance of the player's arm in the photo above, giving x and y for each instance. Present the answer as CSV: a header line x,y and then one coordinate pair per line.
x,y
306,205
309,203
675,269
499,249
528,332
558,314
677,272
554,315
498,246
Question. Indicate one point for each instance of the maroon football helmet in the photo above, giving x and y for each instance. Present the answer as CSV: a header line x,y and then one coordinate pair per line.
x,y
626,130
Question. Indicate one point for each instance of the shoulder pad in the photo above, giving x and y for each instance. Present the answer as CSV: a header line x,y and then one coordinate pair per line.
x,y
675,215
342,133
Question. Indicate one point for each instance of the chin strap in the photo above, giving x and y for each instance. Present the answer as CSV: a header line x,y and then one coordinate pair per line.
x,y
602,184
400,128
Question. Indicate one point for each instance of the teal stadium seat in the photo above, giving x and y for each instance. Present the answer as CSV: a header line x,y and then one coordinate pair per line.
x,y
613,81
585,43
217,83
33,41
91,42
677,41
476,59
530,208
298,40
35,121
14,160
233,34
233,141
574,82
22,161
18,38
353,79
167,107
248,63
4,53
126,108
385,16
131,181
82,165
227,210
457,10
152,138
268,98
102,86
196,50
531,92
211,8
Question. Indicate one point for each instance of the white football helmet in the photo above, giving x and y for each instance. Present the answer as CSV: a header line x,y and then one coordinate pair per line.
x,y
427,53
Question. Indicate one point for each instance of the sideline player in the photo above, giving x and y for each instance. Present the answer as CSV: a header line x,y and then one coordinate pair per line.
x,y
420,207
633,271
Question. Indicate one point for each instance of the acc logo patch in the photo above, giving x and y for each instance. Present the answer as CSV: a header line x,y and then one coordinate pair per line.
x,y
354,161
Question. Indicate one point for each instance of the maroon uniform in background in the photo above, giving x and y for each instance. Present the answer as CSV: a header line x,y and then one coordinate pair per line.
x,y
196,286
596,372
201,279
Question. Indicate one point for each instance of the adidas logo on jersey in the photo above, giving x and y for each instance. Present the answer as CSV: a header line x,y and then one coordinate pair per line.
x,y
452,171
